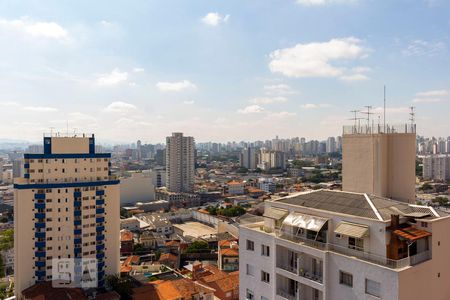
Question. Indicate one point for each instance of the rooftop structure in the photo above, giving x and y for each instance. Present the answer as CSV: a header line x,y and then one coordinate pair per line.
x,y
344,245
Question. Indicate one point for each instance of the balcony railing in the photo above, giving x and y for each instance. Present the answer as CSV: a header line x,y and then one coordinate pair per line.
x,y
286,294
373,258
301,272
379,128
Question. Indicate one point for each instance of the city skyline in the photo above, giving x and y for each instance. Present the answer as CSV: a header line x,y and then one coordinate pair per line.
x,y
238,75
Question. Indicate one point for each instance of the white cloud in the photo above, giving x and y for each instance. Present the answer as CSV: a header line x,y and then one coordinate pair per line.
x,y
176,86
281,115
354,77
9,104
40,108
315,59
428,100
113,78
251,109
214,19
314,105
424,48
434,96
78,116
50,30
120,107
189,102
268,100
138,70
324,2
278,89
434,93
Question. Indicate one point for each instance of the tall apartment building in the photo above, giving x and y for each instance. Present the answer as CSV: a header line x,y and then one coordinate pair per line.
x,y
331,145
268,159
380,162
180,163
333,245
249,158
66,205
436,167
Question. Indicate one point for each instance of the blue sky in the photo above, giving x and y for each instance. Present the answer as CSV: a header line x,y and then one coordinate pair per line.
x,y
220,70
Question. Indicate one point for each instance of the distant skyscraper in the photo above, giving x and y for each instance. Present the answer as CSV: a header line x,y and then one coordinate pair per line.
x,y
437,167
17,167
139,150
331,144
249,158
180,163
66,205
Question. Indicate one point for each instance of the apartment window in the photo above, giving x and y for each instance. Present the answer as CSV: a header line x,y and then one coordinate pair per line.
x,y
355,243
250,295
265,250
373,288
346,278
424,224
250,245
265,277
250,270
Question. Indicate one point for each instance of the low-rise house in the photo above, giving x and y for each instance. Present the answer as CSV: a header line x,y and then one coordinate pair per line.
x,y
126,242
228,256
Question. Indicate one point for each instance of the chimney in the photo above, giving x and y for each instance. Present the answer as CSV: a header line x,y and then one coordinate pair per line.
x,y
395,222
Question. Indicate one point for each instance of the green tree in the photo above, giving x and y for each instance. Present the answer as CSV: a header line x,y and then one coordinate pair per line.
x,y
7,239
197,246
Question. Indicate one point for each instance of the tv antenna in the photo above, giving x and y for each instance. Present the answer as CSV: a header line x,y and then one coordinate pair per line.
x,y
412,115
384,108
368,113
356,119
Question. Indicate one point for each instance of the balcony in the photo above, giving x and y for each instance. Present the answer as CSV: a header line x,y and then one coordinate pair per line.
x,y
77,203
100,255
370,257
99,211
77,213
39,196
100,228
290,295
39,273
77,222
99,193
39,215
99,247
100,220
26,165
39,225
39,263
39,235
77,231
39,205
39,244
77,241
77,194
100,265
100,202
39,253
100,237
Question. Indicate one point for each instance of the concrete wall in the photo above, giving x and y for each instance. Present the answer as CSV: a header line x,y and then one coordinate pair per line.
x,y
380,164
430,279
137,188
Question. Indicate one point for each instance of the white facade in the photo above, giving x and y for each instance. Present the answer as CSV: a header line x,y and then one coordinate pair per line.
x,y
180,163
280,261
436,167
66,206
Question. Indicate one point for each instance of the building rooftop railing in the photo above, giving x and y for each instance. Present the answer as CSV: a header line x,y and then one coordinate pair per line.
x,y
379,128
366,256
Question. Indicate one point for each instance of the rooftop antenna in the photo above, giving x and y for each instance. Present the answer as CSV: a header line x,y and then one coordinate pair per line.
x,y
368,113
355,119
412,116
384,109
51,131
67,128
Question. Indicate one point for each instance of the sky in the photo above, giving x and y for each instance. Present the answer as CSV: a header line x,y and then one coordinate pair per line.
x,y
220,70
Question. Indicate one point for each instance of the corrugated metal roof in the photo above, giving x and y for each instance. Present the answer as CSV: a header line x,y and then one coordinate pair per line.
x,y
352,229
275,213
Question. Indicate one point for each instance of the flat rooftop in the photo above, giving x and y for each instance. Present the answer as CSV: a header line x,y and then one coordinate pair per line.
x,y
195,229
360,205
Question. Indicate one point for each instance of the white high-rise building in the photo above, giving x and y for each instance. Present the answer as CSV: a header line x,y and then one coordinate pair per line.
x,y
333,245
331,145
249,158
436,167
180,163
66,205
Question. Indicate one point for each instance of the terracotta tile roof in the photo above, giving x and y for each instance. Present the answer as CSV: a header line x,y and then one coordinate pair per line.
x,y
125,269
227,243
172,244
229,252
145,292
181,288
133,259
168,257
108,296
203,211
126,236
45,291
226,284
412,233
234,182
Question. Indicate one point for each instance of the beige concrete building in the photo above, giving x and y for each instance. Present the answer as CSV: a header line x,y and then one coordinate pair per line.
x,y
380,163
66,206
180,163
